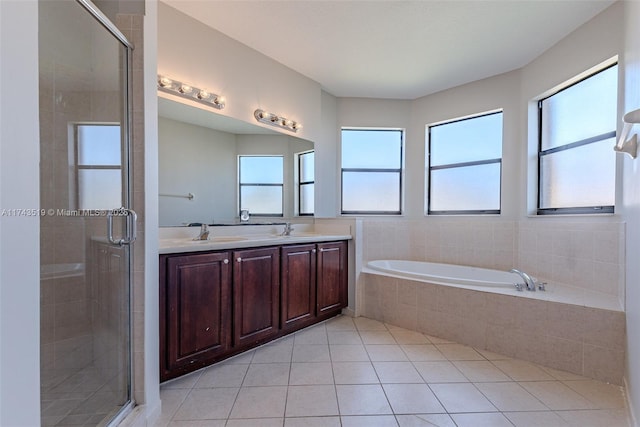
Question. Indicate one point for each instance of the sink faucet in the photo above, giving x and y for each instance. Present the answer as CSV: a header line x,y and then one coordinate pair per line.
x,y
287,229
204,233
528,280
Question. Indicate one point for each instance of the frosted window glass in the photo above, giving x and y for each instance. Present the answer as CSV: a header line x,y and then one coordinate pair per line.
x,y
261,200
307,172
478,138
261,169
306,199
581,111
99,145
372,149
474,188
370,192
579,177
99,188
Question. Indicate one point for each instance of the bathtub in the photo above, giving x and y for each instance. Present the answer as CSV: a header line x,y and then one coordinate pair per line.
x,y
447,274
59,271
487,280
564,327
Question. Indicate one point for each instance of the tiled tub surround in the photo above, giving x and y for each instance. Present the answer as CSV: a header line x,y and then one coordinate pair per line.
x,y
586,253
584,340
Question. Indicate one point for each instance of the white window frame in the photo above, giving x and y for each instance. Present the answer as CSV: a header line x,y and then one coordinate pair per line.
x,y
399,171
300,183
604,209
429,168
258,184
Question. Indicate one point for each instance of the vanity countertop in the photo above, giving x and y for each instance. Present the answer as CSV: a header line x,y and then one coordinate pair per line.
x,y
187,244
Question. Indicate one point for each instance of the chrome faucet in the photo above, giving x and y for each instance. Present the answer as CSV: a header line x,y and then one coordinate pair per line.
x,y
528,280
287,229
204,233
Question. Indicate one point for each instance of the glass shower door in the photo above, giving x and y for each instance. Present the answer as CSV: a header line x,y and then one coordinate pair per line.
x,y
85,253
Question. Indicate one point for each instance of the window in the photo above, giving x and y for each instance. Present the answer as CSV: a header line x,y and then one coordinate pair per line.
x,y
465,165
576,163
305,180
372,171
98,166
261,182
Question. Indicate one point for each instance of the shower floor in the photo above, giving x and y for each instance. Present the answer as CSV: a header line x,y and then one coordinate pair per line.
x,y
83,398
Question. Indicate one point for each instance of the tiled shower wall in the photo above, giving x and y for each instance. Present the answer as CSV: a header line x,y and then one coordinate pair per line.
x,y
584,253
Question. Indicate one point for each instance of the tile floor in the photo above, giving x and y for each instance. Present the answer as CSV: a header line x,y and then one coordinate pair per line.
x,y
360,372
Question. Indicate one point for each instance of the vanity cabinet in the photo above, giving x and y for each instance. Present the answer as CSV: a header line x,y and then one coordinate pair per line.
x,y
298,286
256,295
195,313
331,278
215,304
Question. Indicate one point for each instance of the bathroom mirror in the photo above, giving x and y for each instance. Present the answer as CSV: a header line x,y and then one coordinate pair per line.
x,y
199,152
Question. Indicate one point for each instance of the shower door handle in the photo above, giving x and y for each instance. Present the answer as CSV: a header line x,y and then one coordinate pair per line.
x,y
131,226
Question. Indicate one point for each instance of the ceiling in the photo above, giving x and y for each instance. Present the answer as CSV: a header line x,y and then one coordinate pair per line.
x,y
395,49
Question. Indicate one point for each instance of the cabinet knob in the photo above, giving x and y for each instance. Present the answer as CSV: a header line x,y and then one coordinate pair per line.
x,y
226,261
207,330
239,259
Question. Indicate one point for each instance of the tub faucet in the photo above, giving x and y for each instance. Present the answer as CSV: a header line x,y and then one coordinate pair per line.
x,y
287,229
528,281
204,233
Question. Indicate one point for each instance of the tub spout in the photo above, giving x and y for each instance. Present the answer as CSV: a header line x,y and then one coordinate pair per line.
x,y
531,284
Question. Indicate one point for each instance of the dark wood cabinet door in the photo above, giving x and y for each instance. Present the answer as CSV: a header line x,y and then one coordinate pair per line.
x,y
332,278
256,294
198,309
298,286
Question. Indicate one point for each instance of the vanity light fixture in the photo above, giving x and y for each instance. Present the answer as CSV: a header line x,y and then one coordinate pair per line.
x,y
630,145
184,90
273,119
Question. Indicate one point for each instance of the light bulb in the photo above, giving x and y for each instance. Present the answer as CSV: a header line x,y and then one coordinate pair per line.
x,y
220,100
203,94
165,82
186,89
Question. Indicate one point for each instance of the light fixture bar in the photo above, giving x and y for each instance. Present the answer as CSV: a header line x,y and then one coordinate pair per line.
x,y
184,90
275,120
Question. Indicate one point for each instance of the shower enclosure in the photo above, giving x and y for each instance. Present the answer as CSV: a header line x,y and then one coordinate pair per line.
x,y
85,278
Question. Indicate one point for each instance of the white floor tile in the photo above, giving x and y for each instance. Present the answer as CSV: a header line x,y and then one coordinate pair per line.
x,y
384,376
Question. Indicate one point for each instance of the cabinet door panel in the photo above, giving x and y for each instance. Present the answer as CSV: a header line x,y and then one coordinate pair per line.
x,y
198,308
256,294
298,286
332,286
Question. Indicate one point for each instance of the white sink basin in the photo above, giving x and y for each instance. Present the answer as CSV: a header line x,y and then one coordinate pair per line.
x,y
216,239
222,239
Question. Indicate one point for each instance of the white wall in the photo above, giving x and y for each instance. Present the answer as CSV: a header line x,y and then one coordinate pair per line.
x,y
327,169
197,160
631,206
151,361
19,189
192,52
493,93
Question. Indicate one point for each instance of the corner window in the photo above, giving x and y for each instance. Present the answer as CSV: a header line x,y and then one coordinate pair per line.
x,y
576,162
372,171
305,180
261,182
98,166
465,165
